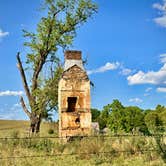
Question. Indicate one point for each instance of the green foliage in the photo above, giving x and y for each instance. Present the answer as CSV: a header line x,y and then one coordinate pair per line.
x,y
50,131
57,28
132,119
47,95
42,145
153,122
112,115
95,114
116,105
103,118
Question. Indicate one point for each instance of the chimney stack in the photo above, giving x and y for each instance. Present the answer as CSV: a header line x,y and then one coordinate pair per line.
x,y
73,55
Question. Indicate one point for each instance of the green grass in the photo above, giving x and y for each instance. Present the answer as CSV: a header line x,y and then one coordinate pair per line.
x,y
84,152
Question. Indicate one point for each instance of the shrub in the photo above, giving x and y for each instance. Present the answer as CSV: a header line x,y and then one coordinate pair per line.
x,y
50,131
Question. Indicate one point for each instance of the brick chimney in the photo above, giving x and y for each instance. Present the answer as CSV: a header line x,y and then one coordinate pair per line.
x,y
73,55
74,98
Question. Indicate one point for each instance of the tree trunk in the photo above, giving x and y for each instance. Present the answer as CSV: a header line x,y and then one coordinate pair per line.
x,y
35,127
38,126
35,123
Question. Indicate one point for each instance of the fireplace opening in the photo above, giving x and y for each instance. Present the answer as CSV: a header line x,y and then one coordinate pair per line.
x,y
77,121
71,104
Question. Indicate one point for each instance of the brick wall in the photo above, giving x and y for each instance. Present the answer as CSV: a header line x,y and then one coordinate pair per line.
x,y
75,55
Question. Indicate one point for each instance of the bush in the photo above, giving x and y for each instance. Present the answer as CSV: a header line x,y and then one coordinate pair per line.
x,y
50,131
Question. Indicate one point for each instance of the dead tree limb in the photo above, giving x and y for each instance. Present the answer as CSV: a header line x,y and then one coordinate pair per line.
x,y
24,107
23,77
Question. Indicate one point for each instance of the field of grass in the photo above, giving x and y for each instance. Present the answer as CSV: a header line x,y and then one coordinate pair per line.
x,y
99,150
7,127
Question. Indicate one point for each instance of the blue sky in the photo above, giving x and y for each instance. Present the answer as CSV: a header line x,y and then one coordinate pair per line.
x,y
125,44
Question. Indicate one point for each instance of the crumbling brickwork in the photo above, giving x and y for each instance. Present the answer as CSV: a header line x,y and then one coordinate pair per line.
x,y
74,98
73,55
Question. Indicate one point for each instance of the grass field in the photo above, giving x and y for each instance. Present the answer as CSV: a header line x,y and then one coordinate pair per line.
x,y
7,127
105,151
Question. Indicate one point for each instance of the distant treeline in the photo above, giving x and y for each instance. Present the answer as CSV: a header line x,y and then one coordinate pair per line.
x,y
130,119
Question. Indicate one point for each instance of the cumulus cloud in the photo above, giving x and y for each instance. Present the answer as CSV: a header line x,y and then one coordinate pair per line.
x,y
161,20
136,100
3,34
11,93
150,77
108,66
157,78
161,89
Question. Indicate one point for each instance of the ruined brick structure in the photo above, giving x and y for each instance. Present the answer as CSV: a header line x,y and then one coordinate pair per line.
x,y
74,97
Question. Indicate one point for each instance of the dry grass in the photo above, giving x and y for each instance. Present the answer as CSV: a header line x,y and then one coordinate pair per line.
x,y
22,127
83,152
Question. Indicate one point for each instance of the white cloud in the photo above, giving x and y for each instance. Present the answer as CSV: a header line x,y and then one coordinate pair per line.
x,y
11,93
17,105
163,58
125,71
6,116
13,112
108,66
3,34
162,8
136,100
161,89
161,21
146,94
148,89
151,77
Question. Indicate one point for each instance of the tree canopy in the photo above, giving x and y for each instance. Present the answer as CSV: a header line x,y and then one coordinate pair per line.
x,y
131,119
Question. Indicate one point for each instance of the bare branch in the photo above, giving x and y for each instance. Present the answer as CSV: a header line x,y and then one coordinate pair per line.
x,y
24,107
20,67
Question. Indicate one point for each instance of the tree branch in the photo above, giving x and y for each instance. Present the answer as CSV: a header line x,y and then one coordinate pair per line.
x,y
43,55
24,107
20,67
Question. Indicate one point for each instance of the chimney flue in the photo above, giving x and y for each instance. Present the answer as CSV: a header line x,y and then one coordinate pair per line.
x,y
73,55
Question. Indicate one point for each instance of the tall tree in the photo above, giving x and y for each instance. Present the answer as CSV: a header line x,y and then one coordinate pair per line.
x,y
156,120
115,119
56,29
133,119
